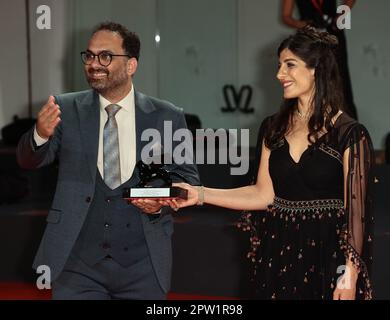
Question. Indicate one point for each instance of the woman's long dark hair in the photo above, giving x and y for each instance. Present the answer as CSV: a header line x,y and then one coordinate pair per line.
x,y
319,51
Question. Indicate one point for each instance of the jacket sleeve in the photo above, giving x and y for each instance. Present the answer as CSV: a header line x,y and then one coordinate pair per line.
x,y
29,156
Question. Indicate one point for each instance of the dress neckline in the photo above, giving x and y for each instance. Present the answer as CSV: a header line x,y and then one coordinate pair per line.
x,y
310,145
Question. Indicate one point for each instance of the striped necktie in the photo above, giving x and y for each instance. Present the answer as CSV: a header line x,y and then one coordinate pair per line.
x,y
111,159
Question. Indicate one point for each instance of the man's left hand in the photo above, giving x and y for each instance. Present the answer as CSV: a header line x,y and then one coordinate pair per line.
x,y
147,205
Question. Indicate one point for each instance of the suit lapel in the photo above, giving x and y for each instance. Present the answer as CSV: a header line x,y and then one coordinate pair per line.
x,y
144,119
89,116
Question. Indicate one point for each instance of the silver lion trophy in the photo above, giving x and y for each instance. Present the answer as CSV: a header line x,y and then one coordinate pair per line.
x,y
151,175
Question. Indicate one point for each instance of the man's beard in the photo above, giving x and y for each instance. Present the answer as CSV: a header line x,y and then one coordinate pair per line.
x,y
110,81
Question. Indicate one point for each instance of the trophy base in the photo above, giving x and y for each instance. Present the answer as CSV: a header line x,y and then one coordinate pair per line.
x,y
155,193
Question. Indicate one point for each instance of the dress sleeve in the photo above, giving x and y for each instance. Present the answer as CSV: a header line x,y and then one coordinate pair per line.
x,y
249,220
357,235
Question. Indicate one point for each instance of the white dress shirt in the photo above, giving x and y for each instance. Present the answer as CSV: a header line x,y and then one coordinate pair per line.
x,y
125,118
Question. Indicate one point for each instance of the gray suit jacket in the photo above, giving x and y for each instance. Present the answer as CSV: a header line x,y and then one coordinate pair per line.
x,y
75,144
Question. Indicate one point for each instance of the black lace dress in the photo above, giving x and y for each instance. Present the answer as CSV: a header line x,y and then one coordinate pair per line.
x,y
300,244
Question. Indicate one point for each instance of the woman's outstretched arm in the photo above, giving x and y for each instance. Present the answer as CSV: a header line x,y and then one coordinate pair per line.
x,y
252,197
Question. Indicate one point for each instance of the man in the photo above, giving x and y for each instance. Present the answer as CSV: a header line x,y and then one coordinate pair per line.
x,y
97,245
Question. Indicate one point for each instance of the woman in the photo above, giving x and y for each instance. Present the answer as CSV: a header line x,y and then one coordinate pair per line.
x,y
313,179
323,14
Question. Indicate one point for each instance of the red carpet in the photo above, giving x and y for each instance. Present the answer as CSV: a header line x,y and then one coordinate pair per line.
x,y
27,291
22,291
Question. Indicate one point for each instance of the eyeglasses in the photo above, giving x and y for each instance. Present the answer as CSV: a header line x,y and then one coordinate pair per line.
x,y
104,58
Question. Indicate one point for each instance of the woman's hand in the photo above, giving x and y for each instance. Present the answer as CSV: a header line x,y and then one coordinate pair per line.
x,y
345,294
192,197
346,285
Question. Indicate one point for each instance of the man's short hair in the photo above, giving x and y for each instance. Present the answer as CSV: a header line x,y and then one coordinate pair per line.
x,y
131,43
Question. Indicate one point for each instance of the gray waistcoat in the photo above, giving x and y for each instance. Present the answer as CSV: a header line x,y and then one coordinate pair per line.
x,y
112,227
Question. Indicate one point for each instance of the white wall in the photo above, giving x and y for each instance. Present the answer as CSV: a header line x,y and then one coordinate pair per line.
x,y
198,56
13,61
48,52
369,57
259,34
47,57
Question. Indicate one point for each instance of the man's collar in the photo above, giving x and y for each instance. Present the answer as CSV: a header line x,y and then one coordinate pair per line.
x,y
127,103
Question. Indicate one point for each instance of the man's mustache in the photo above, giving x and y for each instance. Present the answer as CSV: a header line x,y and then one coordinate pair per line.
x,y
96,70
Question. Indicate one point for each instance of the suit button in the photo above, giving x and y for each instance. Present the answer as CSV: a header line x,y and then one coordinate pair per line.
x,y
126,249
107,225
88,199
128,225
108,200
106,246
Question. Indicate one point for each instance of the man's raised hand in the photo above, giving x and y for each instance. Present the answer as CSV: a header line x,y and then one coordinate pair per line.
x,y
48,118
